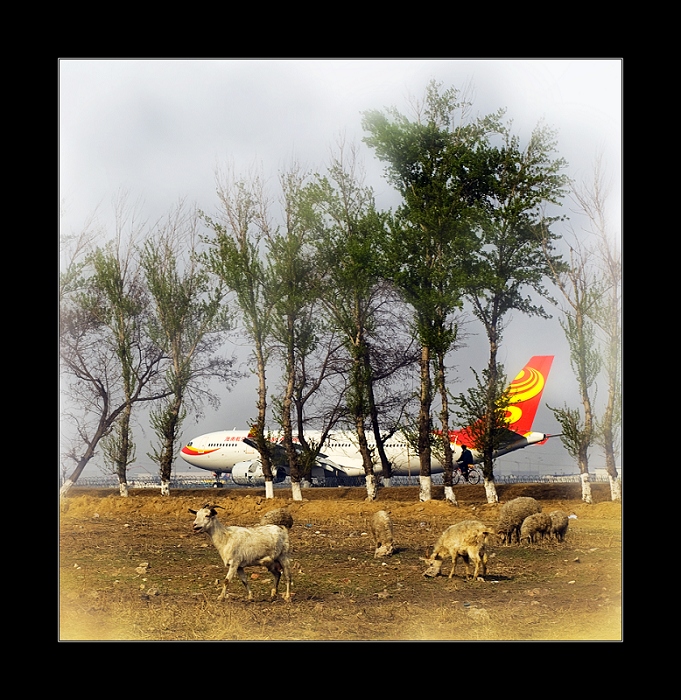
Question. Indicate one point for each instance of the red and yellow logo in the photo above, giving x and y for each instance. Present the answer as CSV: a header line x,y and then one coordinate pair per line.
x,y
527,384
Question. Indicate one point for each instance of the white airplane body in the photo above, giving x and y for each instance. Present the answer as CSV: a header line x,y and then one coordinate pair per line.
x,y
234,452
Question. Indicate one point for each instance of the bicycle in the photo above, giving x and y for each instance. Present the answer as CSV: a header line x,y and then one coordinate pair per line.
x,y
474,476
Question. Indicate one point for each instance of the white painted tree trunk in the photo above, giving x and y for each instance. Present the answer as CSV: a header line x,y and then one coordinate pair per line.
x,y
387,482
123,490
615,489
491,491
269,489
371,487
425,483
450,495
586,488
165,487
296,492
66,487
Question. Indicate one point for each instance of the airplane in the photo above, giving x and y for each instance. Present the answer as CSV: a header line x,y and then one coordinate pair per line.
x,y
234,451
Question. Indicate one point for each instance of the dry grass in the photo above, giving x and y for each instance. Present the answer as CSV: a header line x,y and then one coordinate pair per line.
x,y
566,591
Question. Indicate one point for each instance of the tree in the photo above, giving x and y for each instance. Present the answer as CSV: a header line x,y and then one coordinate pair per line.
x,y
293,272
607,315
235,255
435,163
580,293
352,292
189,323
514,253
108,363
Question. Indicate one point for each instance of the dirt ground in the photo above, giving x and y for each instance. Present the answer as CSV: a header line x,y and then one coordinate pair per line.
x,y
132,569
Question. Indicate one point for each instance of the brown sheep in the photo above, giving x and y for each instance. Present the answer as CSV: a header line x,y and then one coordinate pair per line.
x,y
466,540
512,515
382,531
535,527
559,524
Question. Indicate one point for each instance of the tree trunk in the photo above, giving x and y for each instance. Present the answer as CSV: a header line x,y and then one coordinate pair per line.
x,y
123,489
586,487
450,496
615,489
296,491
424,426
66,487
269,488
371,487
491,491
448,465
165,487
424,488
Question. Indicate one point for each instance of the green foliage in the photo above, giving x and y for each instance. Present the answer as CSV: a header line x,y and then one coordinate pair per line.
x,y
484,408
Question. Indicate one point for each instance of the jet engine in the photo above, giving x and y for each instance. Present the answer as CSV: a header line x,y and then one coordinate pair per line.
x,y
250,473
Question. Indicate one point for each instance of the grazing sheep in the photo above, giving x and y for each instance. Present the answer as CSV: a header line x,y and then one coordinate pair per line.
x,y
279,516
512,515
559,524
263,545
382,531
534,527
467,540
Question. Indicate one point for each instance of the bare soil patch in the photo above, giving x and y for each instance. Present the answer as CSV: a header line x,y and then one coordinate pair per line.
x,y
132,569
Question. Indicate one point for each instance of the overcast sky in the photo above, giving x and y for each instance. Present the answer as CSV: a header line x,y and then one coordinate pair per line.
x,y
159,129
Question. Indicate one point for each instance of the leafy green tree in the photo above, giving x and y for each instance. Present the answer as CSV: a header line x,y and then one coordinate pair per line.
x,y
352,292
108,362
438,165
515,250
293,270
189,322
236,257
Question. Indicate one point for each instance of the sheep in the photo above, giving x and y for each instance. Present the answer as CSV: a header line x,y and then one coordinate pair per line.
x,y
559,524
512,515
279,516
467,540
534,527
382,531
263,545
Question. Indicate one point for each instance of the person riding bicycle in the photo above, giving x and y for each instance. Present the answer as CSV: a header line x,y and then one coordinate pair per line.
x,y
464,461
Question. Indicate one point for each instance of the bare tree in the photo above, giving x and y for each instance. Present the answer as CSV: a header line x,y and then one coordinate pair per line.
x,y
189,322
580,293
607,315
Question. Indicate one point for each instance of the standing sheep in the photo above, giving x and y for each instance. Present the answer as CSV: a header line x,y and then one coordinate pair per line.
x,y
512,515
534,527
263,545
467,540
382,531
559,524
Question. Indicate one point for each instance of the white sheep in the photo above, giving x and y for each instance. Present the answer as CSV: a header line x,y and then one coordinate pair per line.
x,y
559,524
534,527
382,531
263,545
467,540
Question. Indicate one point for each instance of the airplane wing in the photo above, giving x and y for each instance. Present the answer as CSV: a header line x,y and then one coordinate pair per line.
x,y
279,455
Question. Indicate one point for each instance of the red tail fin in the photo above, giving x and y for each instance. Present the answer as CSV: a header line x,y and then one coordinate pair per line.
x,y
526,391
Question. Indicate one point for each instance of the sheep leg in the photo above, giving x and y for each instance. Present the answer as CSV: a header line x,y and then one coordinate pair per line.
x,y
286,566
275,570
244,579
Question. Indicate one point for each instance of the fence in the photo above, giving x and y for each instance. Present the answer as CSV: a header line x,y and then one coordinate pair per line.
x,y
187,481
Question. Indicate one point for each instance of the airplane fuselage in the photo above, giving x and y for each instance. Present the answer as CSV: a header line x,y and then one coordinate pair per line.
x,y
220,451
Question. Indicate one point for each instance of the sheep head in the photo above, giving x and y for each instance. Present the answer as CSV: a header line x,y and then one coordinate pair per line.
x,y
204,517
